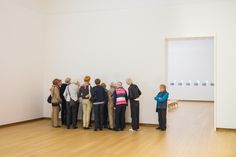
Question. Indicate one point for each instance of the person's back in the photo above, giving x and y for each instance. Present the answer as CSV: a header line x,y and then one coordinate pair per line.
x,y
120,99
56,99
99,94
72,91
120,96
134,92
98,98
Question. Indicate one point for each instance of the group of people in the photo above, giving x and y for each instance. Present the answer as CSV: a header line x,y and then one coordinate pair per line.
x,y
108,105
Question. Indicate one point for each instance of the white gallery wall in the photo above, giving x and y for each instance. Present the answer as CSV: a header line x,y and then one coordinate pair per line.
x,y
114,40
110,39
191,69
21,50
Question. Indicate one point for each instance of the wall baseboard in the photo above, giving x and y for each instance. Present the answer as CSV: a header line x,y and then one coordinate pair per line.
x,y
48,118
226,129
21,122
129,123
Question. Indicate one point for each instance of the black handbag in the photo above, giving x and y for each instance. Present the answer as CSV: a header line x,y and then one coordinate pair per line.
x,y
49,100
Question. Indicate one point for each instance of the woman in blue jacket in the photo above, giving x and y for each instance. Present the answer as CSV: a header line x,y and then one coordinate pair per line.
x,y
161,99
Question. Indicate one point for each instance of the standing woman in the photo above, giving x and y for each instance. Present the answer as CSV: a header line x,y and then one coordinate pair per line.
x,y
120,99
85,93
161,99
99,97
111,106
56,101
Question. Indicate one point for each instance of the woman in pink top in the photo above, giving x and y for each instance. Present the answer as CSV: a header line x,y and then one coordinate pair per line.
x,y
120,100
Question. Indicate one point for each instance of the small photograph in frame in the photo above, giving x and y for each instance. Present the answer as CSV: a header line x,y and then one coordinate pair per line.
x,y
195,83
172,83
188,84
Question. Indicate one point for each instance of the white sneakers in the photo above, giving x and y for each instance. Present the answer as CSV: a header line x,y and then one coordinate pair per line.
x,y
131,130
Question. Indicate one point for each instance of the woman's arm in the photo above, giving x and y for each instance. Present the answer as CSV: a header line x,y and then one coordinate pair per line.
x,y
156,97
163,98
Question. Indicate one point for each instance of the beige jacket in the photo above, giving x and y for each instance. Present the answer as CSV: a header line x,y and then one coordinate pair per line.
x,y
55,93
110,93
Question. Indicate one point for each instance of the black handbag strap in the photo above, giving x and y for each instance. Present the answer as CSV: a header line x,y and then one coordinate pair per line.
x,y
68,89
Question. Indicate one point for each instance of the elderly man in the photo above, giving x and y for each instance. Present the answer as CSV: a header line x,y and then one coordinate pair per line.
x,y
134,94
72,104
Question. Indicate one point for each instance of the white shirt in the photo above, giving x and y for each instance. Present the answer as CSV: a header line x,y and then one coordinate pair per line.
x,y
71,92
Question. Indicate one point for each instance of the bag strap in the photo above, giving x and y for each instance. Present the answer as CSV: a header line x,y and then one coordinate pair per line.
x,y
68,91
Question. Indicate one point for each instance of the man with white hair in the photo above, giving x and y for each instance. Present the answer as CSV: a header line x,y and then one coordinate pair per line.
x,y
134,94
120,100
72,104
63,104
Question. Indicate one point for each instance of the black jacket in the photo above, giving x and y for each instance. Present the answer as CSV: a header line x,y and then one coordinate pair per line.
x,y
84,91
99,94
134,92
62,90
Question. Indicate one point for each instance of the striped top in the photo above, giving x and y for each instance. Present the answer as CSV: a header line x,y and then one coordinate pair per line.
x,y
120,96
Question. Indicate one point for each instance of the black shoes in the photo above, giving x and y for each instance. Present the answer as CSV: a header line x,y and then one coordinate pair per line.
x,y
158,128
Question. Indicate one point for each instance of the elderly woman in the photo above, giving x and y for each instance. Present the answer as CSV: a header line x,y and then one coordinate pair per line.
x,y
99,97
72,104
85,93
56,101
111,105
120,100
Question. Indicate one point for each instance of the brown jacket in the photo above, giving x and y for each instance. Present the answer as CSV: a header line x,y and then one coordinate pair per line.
x,y
55,93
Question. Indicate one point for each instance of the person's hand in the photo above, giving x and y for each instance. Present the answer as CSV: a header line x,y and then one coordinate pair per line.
x,y
114,108
87,96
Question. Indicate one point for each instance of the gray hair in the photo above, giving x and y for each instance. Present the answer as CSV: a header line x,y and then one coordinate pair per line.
x,y
67,80
112,85
129,81
119,84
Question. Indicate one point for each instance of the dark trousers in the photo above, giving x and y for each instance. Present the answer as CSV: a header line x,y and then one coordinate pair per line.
x,y
72,113
134,107
105,115
120,117
162,118
91,115
63,112
98,116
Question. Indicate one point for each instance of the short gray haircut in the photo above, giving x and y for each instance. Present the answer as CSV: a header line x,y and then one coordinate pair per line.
x,y
112,84
68,80
119,84
129,81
